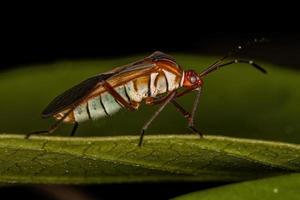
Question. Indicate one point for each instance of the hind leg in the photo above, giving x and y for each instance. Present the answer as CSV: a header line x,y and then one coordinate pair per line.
x,y
74,129
51,129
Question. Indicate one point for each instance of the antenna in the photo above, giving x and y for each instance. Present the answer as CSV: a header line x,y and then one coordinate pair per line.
x,y
218,64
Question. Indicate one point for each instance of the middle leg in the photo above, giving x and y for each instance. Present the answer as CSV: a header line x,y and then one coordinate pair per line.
x,y
188,116
147,124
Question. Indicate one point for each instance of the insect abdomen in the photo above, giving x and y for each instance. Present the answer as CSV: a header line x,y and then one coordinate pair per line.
x,y
133,92
99,106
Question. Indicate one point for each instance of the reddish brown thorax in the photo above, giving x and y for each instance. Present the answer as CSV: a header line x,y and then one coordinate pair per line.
x,y
192,79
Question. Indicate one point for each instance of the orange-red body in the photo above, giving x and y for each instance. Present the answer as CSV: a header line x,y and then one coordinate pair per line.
x,y
160,77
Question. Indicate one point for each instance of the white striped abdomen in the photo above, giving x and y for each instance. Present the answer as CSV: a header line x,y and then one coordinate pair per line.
x,y
133,92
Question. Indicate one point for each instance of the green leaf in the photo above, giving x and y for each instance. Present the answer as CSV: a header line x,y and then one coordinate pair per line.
x,y
281,187
162,158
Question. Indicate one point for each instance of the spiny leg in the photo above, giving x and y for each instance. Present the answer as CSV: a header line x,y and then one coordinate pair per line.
x,y
74,129
147,124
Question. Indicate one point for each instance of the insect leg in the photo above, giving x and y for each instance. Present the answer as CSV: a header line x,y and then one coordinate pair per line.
x,y
117,96
51,129
186,91
74,129
195,106
179,108
145,127
156,100
186,115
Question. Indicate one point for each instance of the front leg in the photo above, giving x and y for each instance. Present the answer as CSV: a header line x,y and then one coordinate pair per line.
x,y
195,106
190,116
156,100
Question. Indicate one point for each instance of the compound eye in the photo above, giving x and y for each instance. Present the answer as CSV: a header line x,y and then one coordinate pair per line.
x,y
193,79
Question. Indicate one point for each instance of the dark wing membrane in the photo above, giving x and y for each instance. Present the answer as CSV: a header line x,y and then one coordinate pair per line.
x,y
74,94
157,55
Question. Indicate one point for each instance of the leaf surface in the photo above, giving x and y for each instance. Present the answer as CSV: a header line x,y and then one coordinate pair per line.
x,y
162,158
275,188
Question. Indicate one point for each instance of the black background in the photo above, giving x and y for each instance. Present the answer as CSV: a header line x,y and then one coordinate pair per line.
x,y
281,48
